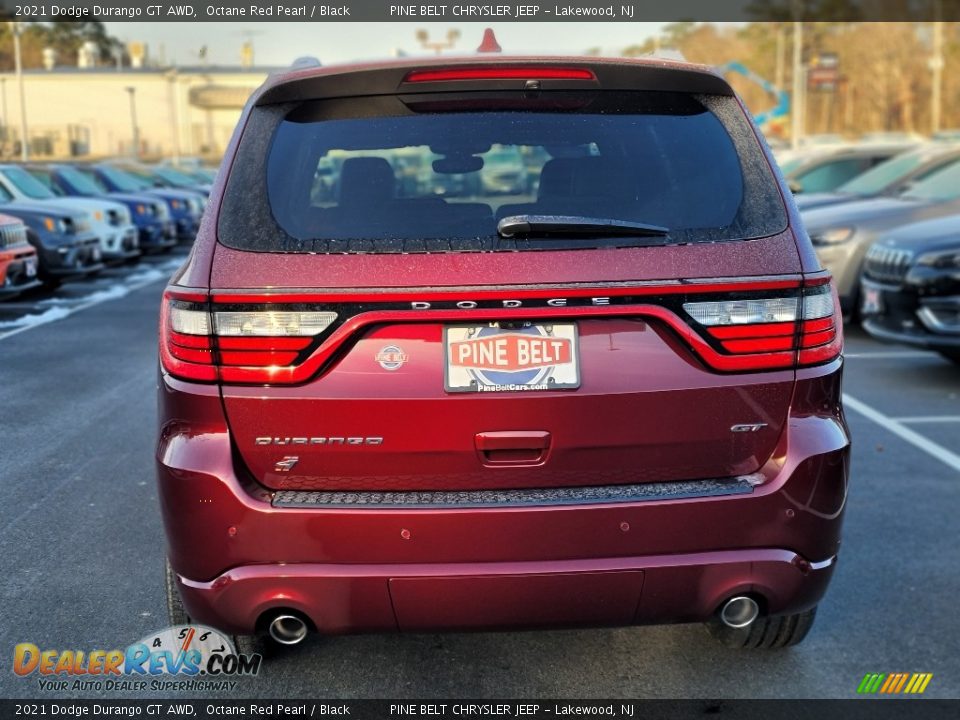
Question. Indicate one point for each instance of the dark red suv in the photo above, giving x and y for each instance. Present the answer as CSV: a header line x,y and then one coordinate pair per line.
x,y
396,397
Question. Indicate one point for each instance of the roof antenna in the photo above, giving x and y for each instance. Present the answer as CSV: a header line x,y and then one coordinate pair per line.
x,y
489,43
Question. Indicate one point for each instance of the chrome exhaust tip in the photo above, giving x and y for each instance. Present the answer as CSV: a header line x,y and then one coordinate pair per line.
x,y
739,611
287,629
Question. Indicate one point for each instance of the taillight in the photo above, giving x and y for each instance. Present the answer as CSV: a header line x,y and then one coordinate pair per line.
x,y
801,329
264,338
821,331
202,342
493,72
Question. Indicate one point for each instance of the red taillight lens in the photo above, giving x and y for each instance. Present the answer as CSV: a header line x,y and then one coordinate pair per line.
x,y
821,340
774,332
526,72
186,347
204,343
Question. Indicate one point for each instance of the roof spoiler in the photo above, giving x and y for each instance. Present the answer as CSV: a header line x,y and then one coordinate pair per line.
x,y
393,78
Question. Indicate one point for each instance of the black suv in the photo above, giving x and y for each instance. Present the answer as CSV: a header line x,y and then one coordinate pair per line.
x,y
911,286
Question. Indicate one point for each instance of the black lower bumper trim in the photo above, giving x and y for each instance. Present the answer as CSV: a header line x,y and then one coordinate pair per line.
x,y
513,498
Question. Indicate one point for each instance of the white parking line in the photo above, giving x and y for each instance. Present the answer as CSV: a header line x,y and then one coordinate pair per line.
x,y
882,355
939,452
929,419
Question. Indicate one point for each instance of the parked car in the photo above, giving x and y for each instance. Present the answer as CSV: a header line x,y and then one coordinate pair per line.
x,y
163,176
911,286
824,170
842,233
406,413
891,136
892,177
784,151
201,175
950,135
18,259
66,246
109,221
185,207
156,231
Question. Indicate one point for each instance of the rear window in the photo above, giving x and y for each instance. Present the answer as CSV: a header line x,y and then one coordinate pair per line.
x,y
421,174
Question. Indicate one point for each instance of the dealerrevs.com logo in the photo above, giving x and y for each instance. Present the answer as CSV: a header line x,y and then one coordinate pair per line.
x,y
182,657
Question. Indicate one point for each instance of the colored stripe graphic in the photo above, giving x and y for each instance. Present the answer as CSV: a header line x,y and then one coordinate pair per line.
x,y
894,683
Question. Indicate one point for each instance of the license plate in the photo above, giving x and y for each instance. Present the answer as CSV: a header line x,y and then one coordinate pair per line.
x,y
30,268
872,301
495,357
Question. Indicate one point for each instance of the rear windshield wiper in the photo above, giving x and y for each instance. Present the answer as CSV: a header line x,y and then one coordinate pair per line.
x,y
573,225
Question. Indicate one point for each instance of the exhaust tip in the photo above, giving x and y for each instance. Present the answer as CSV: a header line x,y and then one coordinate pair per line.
x,y
739,611
287,629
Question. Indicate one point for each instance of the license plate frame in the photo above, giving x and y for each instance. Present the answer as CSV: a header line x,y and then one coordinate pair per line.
x,y
511,357
872,302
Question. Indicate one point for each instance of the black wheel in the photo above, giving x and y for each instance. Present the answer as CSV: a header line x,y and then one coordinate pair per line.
x,y
951,355
771,632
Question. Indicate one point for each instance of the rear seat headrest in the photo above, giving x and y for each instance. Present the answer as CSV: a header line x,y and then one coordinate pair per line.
x,y
366,181
571,178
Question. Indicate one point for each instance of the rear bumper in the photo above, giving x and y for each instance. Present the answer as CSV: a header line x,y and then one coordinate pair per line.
x,y
239,555
457,596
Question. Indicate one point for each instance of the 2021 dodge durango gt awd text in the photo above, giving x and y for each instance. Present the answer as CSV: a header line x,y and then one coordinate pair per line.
x,y
610,397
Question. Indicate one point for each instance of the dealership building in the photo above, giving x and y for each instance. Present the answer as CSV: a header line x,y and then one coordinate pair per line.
x,y
92,112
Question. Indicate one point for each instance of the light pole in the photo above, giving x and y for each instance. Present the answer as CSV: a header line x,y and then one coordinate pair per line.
x,y
6,118
18,65
133,121
936,69
796,121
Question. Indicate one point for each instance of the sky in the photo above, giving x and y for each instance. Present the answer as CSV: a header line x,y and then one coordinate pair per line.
x,y
281,43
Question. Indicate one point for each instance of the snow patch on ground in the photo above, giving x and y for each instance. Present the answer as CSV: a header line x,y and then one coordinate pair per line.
x,y
60,308
54,313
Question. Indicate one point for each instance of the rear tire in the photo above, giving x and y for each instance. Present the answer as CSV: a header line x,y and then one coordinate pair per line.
x,y
768,633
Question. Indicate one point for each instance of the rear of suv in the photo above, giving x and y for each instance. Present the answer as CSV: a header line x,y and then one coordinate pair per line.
x,y
607,397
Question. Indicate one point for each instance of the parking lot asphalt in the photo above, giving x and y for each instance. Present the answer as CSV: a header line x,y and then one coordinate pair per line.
x,y
83,546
